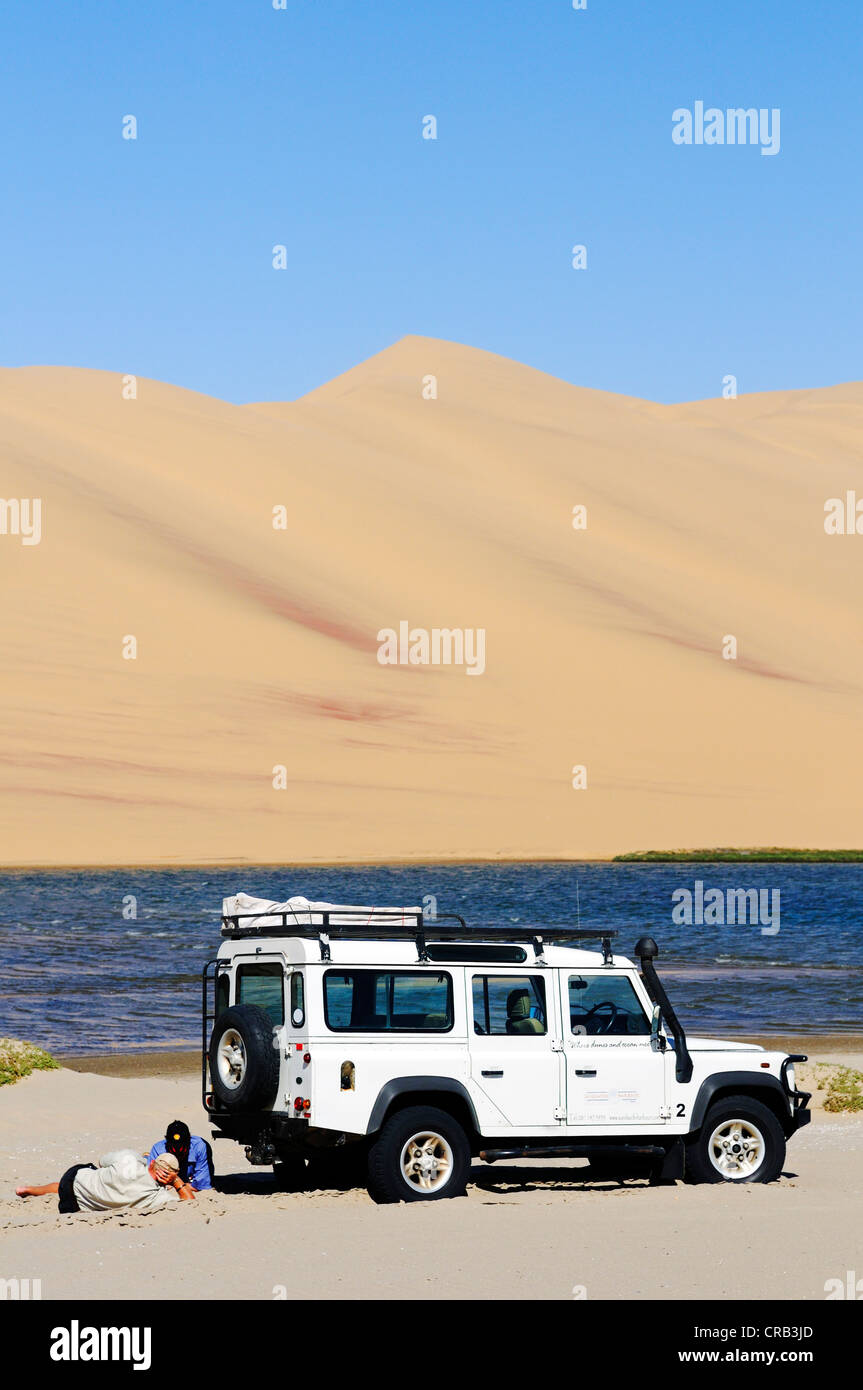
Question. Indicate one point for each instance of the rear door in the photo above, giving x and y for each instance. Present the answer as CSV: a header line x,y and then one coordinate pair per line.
x,y
613,1076
515,1048
260,980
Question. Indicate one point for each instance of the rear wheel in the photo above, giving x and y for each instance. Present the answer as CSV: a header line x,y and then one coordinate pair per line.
x,y
420,1155
740,1140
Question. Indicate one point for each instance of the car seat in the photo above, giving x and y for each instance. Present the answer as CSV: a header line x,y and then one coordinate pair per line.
x,y
518,1019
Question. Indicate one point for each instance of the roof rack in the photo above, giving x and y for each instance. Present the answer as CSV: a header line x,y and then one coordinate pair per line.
x,y
335,919
400,924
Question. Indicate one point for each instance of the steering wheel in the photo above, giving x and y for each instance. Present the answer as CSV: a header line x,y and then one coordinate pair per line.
x,y
605,1004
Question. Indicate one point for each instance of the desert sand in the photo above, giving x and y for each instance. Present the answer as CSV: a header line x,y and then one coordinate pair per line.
x,y
257,647
526,1230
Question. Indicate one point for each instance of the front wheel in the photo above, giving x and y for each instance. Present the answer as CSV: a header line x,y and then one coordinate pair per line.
x,y
420,1155
740,1140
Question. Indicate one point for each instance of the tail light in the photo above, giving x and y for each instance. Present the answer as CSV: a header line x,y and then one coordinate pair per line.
x,y
307,1057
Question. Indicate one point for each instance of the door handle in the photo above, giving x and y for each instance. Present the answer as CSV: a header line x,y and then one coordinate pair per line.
x,y
585,1073
492,1073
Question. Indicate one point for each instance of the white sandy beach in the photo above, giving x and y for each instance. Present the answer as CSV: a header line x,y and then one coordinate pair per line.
x,y
529,1231
257,648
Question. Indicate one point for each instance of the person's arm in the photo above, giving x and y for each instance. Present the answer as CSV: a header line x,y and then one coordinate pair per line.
x,y
199,1167
158,1148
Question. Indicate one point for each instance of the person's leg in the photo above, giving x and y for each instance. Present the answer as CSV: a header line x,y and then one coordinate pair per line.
x,y
37,1189
67,1202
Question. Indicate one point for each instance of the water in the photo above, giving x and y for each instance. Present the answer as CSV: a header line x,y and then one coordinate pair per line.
x,y
78,977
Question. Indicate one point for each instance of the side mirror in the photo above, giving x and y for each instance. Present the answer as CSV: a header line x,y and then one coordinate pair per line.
x,y
657,1039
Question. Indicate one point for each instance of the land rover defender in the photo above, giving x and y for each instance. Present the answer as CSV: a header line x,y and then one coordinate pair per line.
x,y
374,1040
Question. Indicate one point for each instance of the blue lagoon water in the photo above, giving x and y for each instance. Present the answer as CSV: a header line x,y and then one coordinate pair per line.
x,y
78,976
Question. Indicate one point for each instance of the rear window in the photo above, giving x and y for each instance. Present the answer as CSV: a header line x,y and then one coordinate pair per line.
x,y
263,984
392,1001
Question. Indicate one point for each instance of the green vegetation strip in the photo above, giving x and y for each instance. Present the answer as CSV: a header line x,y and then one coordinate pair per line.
x,y
18,1059
844,1087
736,856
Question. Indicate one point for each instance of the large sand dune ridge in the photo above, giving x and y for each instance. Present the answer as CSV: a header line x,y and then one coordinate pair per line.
x,y
258,647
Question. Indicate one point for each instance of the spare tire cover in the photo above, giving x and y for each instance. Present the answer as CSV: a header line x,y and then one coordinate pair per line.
x,y
244,1058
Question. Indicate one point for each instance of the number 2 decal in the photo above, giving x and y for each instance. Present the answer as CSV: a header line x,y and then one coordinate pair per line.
x,y
681,1111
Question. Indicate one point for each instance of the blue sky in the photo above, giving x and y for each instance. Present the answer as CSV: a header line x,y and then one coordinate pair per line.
x,y
302,127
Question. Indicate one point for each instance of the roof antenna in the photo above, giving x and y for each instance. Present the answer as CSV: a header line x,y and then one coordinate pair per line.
x,y
577,905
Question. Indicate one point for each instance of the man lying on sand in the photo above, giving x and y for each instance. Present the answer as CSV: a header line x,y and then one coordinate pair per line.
x,y
193,1154
123,1181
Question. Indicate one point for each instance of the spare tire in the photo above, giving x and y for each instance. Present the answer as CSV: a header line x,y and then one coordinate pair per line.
x,y
244,1062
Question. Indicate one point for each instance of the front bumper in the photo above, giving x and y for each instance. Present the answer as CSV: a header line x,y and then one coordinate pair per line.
x,y
801,1116
798,1101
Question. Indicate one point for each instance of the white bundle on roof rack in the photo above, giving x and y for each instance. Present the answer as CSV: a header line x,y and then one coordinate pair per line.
x,y
254,913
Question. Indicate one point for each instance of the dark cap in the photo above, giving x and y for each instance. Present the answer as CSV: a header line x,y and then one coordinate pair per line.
x,y
177,1136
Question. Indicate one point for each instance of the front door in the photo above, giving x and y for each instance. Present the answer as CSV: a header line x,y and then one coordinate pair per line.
x,y
613,1076
513,1058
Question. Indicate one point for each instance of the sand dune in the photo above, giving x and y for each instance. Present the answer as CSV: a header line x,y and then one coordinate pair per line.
x,y
257,647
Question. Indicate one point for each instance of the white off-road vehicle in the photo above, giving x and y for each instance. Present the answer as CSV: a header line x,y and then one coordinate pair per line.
x,y
338,1035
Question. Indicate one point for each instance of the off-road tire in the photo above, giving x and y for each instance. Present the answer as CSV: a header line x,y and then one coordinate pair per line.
x,y
756,1119
259,1082
386,1177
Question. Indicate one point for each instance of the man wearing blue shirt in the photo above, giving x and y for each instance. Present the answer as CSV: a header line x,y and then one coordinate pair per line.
x,y
192,1153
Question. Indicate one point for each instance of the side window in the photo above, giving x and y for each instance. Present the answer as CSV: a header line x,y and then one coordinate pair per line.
x,y
263,984
298,1006
406,1001
223,989
509,1004
338,1000
600,1004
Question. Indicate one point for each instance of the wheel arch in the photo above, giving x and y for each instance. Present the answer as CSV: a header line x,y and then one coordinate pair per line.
x,y
767,1089
442,1091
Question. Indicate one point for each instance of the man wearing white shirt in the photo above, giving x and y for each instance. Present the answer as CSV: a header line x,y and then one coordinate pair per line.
x,y
123,1181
